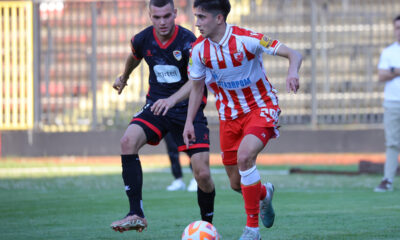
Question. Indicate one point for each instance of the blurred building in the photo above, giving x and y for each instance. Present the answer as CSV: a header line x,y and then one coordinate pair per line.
x,y
59,59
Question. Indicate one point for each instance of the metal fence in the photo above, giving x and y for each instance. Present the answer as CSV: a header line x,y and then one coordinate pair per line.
x,y
81,46
341,41
16,65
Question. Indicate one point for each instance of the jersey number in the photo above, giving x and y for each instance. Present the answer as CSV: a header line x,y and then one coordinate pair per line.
x,y
269,113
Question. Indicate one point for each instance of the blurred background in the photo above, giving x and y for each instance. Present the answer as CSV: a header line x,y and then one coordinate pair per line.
x,y
59,59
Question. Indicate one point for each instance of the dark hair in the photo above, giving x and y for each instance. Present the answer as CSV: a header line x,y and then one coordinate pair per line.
x,y
214,6
396,19
161,3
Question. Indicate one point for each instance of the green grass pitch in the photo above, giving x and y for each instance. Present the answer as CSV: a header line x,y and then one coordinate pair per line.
x,y
80,203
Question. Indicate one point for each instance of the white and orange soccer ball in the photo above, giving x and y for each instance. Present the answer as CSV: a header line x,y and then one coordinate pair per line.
x,y
200,230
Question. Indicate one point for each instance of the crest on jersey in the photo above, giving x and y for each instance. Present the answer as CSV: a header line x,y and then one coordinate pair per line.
x,y
238,56
177,55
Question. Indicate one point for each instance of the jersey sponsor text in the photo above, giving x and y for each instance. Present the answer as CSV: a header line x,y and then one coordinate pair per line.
x,y
167,73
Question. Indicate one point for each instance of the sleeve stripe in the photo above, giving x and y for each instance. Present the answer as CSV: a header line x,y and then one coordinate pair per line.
x,y
276,48
274,43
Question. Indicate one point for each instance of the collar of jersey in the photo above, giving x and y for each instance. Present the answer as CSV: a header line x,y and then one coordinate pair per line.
x,y
224,39
164,46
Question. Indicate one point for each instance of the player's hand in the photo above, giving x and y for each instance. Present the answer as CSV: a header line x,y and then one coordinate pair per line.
x,y
120,84
292,83
188,134
161,106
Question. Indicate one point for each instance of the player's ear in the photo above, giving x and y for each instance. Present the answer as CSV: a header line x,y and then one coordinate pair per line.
x,y
220,19
175,12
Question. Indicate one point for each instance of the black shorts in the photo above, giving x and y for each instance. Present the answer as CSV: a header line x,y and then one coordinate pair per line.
x,y
156,127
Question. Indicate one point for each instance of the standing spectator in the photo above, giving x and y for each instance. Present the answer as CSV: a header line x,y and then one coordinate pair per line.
x,y
389,73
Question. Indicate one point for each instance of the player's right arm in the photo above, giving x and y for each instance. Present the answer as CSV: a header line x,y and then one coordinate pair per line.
x,y
195,99
121,81
132,61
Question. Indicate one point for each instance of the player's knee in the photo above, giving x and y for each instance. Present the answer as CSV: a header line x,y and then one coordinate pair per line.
x,y
244,159
203,176
127,145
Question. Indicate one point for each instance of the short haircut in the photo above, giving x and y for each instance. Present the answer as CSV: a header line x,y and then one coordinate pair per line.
x,y
161,3
396,19
214,6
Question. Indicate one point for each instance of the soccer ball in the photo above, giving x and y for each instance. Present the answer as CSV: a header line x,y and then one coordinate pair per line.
x,y
200,230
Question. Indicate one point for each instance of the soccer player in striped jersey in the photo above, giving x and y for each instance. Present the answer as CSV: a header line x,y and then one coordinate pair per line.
x,y
228,60
165,48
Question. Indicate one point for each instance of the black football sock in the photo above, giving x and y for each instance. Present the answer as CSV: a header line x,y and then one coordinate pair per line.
x,y
206,204
133,180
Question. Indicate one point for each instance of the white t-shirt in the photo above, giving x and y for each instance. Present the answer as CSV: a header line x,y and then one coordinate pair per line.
x,y
390,57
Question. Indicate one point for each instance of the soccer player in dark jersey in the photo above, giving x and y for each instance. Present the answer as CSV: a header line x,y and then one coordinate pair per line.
x,y
165,48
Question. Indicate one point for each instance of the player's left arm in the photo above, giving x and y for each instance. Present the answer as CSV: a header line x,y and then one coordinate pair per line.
x,y
162,106
195,99
295,59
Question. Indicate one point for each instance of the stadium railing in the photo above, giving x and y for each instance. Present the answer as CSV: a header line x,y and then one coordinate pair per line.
x,y
82,46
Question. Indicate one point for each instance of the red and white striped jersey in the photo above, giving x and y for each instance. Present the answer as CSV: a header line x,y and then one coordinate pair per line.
x,y
233,70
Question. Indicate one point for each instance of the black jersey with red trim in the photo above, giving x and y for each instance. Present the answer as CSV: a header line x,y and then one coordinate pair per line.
x,y
167,62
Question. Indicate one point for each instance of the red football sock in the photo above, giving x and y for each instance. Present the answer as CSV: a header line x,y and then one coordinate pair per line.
x,y
251,196
263,192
